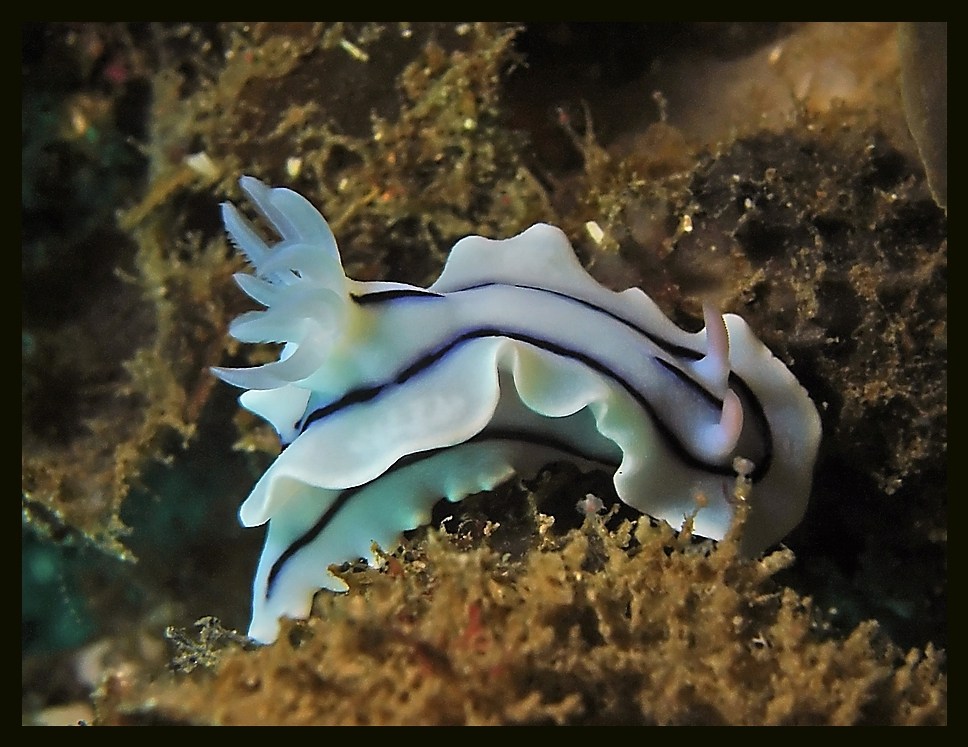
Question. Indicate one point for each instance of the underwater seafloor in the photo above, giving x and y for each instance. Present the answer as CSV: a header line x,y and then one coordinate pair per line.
x,y
769,166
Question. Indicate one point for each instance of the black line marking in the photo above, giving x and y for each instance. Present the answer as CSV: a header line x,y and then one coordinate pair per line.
x,y
673,349
497,434
392,295
430,359
670,347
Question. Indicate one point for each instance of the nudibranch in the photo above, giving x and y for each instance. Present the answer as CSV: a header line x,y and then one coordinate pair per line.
x,y
390,397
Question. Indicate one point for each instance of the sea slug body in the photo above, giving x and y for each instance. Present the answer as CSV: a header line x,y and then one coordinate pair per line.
x,y
390,397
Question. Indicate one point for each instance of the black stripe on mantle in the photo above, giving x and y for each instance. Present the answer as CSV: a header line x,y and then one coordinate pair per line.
x,y
496,434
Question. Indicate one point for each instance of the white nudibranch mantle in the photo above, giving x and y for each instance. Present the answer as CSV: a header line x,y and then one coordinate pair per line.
x,y
391,397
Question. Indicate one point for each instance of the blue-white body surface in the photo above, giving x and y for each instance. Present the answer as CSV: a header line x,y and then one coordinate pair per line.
x,y
391,397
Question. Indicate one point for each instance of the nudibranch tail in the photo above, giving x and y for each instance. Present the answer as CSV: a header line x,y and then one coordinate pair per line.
x,y
392,397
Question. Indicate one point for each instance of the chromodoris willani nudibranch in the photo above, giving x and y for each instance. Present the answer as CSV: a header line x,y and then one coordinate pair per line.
x,y
390,397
